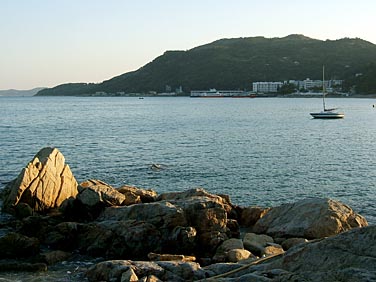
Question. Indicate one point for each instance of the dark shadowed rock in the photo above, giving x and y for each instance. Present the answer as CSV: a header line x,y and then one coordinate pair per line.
x,y
250,215
291,242
128,239
311,218
19,266
350,256
208,214
44,184
163,215
15,245
256,243
93,197
125,239
164,270
53,257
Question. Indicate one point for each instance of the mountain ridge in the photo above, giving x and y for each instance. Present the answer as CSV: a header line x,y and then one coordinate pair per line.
x,y
234,63
17,92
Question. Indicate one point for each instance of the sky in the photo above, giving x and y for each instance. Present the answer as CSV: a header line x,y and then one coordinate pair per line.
x,y
44,43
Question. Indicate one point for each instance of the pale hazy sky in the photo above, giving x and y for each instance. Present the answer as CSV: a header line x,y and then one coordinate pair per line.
x,y
50,42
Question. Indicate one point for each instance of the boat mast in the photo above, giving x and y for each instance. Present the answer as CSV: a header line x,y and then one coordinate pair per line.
x,y
323,87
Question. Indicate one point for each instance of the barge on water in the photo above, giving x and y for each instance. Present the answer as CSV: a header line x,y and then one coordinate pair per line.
x,y
214,93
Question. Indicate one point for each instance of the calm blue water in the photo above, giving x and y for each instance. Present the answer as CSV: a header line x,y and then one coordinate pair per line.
x,y
259,151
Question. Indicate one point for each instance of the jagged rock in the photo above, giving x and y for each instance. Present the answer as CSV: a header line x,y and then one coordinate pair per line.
x,y
250,215
221,254
176,235
235,255
128,239
185,226
233,227
272,249
163,215
186,271
44,184
23,210
63,236
94,195
93,191
219,268
170,257
223,200
256,243
349,256
129,276
310,218
131,192
36,226
207,213
163,270
17,266
183,239
108,270
150,278
54,257
15,245
291,242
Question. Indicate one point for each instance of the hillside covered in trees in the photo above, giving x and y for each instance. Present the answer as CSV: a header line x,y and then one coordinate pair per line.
x,y
236,63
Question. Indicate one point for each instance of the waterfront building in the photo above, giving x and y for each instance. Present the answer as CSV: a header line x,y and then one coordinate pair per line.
x,y
266,87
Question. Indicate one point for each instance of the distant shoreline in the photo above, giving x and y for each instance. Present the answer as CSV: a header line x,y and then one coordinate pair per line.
x,y
361,96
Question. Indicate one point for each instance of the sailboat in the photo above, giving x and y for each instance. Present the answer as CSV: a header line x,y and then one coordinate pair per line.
x,y
326,113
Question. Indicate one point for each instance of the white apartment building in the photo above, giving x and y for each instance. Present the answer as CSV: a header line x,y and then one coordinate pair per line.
x,y
308,84
266,87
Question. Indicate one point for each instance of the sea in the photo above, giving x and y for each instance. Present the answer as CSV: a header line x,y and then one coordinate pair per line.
x,y
261,152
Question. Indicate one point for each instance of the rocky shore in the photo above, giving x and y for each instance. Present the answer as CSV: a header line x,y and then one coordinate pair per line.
x,y
134,234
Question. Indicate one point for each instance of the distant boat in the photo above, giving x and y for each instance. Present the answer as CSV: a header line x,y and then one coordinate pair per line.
x,y
326,113
214,93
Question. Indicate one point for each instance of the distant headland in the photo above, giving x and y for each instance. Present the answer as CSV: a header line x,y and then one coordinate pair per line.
x,y
235,64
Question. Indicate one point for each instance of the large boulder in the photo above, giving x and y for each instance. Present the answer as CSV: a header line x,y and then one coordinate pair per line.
x,y
257,243
310,218
94,195
200,193
250,215
176,235
15,245
127,239
192,219
163,215
94,192
350,256
207,213
136,195
44,184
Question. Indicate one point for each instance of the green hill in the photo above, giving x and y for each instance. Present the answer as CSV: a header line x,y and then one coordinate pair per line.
x,y
236,63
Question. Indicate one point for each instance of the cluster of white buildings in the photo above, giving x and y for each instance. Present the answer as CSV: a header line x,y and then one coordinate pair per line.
x,y
306,85
266,87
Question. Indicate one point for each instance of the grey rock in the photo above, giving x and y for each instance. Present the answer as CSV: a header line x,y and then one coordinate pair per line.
x,y
311,218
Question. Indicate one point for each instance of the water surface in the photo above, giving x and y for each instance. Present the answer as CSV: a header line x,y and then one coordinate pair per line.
x,y
262,151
